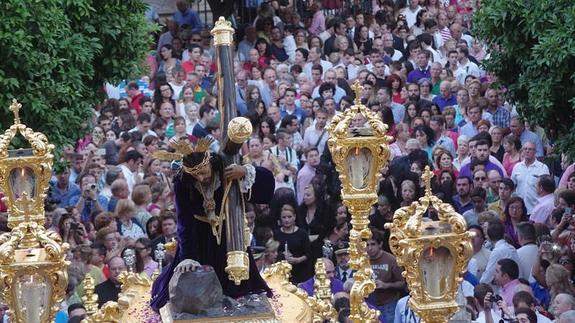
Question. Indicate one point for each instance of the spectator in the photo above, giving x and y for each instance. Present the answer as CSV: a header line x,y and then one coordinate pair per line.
x,y
64,189
313,214
478,198
144,250
515,213
335,284
294,244
526,136
528,252
388,279
130,168
342,270
128,225
563,303
525,175
168,226
185,16
307,172
546,201
505,192
109,289
501,250
482,157
207,114
480,252
506,277
462,200
89,201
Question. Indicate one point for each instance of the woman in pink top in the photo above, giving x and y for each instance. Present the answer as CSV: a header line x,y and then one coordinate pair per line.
x,y
146,263
512,156
318,21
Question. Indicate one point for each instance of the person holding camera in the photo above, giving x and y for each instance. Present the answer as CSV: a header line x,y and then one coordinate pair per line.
x,y
565,230
72,232
89,201
286,156
484,300
507,277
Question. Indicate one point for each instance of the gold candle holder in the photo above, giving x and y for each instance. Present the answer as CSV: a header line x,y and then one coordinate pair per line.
x,y
434,254
359,152
33,276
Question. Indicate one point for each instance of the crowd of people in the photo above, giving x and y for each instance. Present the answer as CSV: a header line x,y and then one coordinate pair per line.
x,y
421,70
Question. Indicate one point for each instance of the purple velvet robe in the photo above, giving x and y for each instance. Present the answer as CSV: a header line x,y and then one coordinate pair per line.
x,y
196,241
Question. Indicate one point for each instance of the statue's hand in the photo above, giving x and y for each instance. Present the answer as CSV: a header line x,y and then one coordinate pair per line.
x,y
187,265
234,171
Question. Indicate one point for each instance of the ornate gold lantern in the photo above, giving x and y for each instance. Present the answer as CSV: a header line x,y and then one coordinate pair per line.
x,y
33,277
359,149
434,253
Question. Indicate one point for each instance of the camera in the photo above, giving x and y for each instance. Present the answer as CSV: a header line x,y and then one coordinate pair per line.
x,y
93,186
495,298
74,226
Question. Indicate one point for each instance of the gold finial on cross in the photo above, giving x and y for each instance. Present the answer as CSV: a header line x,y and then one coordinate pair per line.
x,y
426,176
357,88
15,108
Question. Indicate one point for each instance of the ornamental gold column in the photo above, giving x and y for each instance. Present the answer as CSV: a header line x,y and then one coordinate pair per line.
x,y
33,276
359,153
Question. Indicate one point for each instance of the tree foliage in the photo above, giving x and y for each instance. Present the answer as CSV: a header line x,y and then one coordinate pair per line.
x,y
57,54
534,56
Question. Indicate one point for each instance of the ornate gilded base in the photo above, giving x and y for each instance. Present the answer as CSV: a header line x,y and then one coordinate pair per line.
x,y
238,267
167,315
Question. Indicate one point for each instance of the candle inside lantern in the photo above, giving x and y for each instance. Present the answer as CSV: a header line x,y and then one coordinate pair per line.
x,y
436,266
359,161
32,293
22,181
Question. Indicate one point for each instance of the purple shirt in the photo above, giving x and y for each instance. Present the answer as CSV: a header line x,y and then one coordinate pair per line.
x,y
443,102
418,74
466,170
335,286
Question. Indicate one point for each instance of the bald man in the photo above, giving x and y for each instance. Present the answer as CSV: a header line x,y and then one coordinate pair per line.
x,y
336,285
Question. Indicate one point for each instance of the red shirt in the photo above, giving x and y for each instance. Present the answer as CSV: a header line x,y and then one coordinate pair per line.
x,y
135,103
188,66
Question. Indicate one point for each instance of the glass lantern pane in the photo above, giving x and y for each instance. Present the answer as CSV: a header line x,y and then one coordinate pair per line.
x,y
22,180
359,162
436,270
32,294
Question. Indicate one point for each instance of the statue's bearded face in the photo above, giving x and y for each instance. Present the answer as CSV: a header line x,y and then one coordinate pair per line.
x,y
204,175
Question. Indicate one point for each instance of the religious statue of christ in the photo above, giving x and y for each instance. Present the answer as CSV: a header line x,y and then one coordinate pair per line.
x,y
199,192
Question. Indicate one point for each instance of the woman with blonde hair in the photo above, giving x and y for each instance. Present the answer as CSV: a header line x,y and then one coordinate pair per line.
x,y
408,193
295,246
558,281
474,91
128,225
142,196
271,253
462,151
